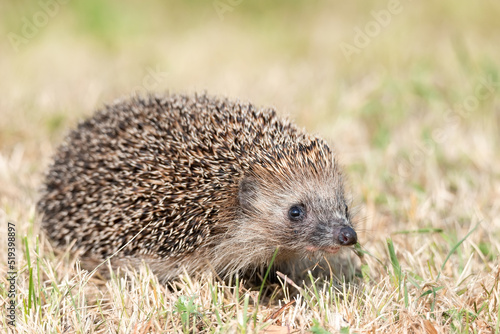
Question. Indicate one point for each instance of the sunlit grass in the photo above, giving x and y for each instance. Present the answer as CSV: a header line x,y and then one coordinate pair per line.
x,y
415,116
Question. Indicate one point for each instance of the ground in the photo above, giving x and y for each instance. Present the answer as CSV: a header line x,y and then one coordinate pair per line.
x,y
406,91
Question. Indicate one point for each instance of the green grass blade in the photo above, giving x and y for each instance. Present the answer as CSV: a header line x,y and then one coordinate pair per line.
x,y
454,249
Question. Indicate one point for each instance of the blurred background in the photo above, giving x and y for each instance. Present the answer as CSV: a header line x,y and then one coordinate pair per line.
x,y
406,90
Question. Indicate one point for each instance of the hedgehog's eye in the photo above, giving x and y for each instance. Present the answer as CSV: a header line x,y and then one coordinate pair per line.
x,y
296,213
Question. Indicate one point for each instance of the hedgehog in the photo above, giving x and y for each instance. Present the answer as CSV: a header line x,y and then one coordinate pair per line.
x,y
194,183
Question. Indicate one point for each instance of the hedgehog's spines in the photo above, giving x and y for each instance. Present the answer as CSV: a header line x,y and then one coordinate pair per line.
x,y
176,162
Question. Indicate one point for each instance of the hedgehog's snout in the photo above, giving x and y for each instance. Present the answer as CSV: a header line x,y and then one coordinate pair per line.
x,y
346,236
342,232
331,235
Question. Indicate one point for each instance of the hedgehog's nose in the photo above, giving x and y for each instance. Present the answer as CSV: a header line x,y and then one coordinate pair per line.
x,y
347,236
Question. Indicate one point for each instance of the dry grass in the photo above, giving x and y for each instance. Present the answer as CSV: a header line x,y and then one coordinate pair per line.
x,y
415,115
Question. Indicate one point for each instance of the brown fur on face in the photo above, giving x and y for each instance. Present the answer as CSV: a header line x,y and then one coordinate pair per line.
x,y
198,182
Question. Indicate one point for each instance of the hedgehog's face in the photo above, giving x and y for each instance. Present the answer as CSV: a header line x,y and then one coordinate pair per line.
x,y
306,215
321,223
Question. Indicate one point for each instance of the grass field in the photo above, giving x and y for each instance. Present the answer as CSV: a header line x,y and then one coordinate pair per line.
x,y
407,91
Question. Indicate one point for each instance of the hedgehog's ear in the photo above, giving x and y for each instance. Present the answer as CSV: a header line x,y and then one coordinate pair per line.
x,y
247,193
